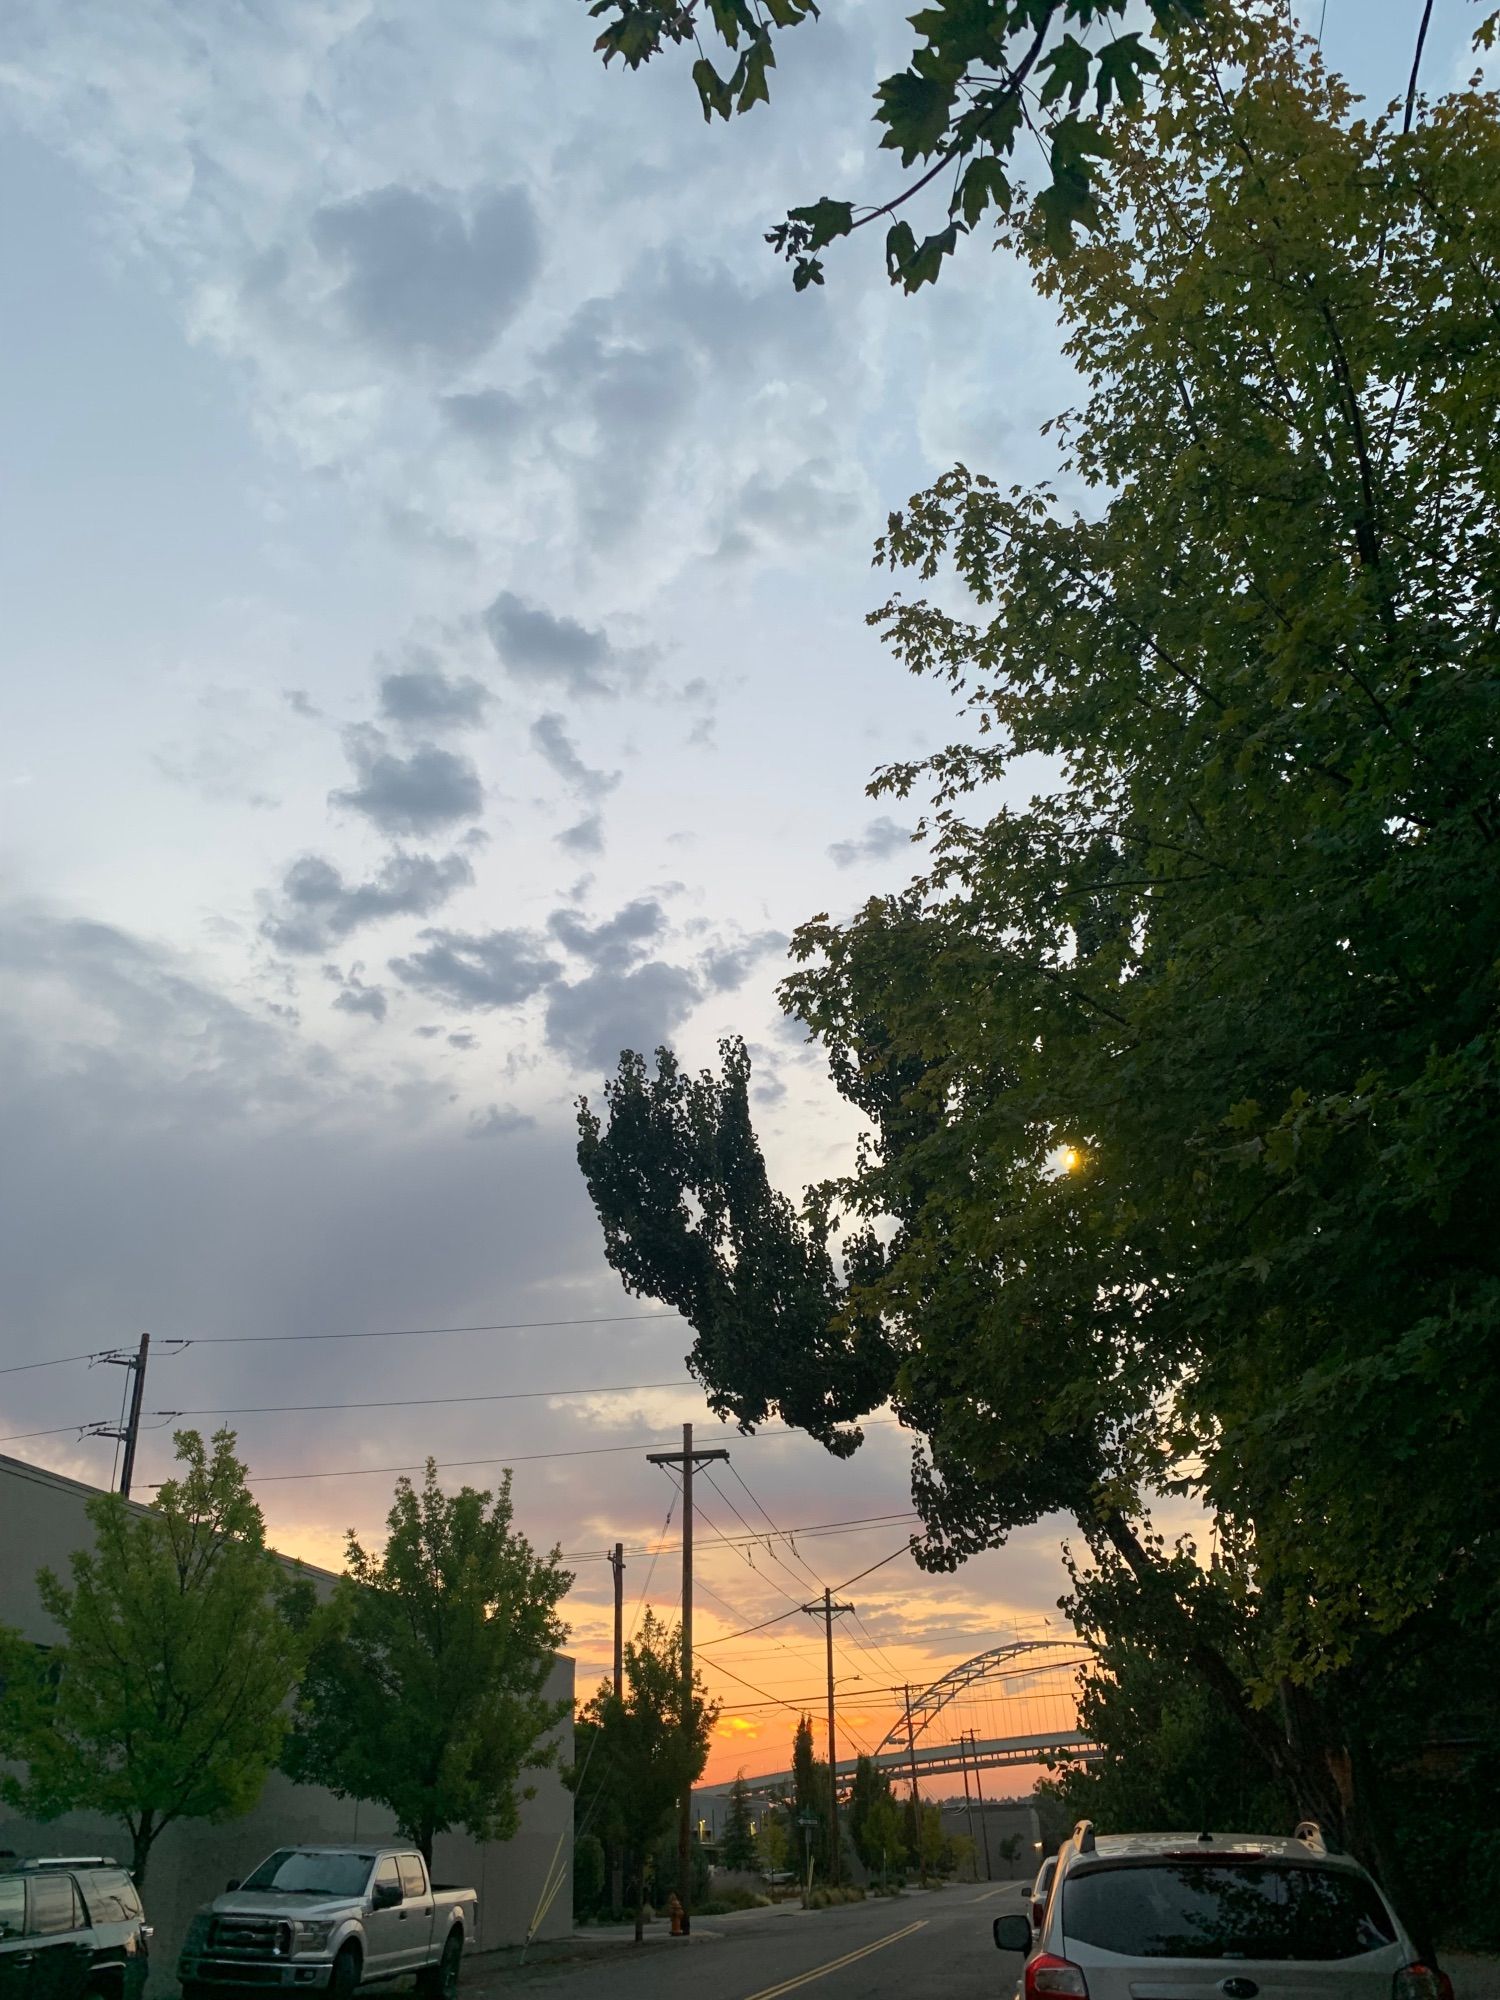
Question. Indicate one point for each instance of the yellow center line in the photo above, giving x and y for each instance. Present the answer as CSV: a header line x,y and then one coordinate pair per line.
x,y
836,1964
997,1892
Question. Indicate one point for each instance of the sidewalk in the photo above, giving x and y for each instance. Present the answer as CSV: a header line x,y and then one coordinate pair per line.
x,y
1474,1977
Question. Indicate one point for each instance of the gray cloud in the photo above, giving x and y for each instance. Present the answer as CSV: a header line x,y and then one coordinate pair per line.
x,y
429,788
535,645
880,839
728,966
498,1122
317,906
353,996
550,737
488,416
419,279
584,836
422,696
462,1038
592,1020
617,941
479,969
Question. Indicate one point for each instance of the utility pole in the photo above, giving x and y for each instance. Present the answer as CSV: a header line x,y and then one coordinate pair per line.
x,y
136,1363
963,1758
979,1795
617,1564
687,1458
916,1797
826,1611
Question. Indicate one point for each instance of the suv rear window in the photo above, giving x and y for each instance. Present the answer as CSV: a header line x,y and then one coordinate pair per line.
x,y
1194,1909
111,1898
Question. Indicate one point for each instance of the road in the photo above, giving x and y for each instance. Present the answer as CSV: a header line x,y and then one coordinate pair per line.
x,y
920,1946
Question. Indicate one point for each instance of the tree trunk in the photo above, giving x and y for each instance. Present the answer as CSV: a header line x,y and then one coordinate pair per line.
x,y
143,1834
640,1902
1306,1774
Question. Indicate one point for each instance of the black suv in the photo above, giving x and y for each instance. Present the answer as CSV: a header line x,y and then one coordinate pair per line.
x,y
70,1930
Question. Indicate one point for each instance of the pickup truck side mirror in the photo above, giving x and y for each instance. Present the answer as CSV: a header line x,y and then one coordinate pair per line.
x,y
1012,1933
385,1895
231,1885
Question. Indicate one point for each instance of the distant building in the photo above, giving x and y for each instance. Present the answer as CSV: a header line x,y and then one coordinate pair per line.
x,y
42,1522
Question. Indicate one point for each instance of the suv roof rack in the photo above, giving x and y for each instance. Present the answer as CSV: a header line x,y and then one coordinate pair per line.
x,y
1311,1835
1083,1834
64,1861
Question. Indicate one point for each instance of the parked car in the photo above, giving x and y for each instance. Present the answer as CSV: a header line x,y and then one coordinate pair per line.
x,y
1183,1916
331,1920
71,1928
1039,1889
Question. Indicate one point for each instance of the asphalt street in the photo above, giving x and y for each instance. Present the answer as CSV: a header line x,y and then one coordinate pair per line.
x,y
918,1946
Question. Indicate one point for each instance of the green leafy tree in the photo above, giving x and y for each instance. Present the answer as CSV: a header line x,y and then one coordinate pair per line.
x,y
811,1799
737,1847
774,1843
1182,1080
589,1876
1009,1850
425,1687
637,1751
166,1698
874,1819
978,80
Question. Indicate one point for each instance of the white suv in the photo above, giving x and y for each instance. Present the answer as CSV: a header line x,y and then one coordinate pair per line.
x,y
1205,1916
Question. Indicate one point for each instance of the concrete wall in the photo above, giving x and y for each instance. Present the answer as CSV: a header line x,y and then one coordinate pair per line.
x,y
997,1821
42,1521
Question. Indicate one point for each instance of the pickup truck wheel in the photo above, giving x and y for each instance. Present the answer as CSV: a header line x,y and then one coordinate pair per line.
x,y
440,1981
346,1970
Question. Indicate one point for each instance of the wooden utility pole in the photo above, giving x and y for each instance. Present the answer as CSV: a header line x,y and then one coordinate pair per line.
x,y
963,1758
916,1797
687,1458
979,1796
826,1611
617,1564
136,1363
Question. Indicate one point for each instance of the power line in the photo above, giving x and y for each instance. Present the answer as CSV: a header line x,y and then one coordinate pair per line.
x,y
904,1550
420,1402
57,1430
369,1333
755,1540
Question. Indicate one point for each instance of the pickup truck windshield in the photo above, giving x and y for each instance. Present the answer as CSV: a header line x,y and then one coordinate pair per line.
x,y
1239,1910
300,1871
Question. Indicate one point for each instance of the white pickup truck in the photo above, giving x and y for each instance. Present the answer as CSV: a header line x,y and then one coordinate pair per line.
x,y
331,1920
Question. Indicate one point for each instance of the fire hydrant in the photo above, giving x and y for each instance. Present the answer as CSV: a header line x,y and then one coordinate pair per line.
x,y
674,1911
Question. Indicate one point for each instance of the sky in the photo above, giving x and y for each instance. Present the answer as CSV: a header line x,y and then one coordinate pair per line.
x,y
435,551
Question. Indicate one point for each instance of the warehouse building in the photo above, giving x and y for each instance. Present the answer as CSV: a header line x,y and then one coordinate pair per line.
x,y
42,1522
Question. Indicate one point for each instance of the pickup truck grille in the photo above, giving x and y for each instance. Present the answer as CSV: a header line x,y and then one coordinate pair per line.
x,y
250,1937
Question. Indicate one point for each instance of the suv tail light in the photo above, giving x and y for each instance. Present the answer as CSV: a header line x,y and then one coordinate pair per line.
x,y
1047,1977
1419,1982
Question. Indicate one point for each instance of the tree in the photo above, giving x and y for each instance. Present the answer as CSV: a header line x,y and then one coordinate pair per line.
x,y
811,1797
978,79
737,1848
773,1841
425,1684
166,1697
874,1820
1182,1079
636,1752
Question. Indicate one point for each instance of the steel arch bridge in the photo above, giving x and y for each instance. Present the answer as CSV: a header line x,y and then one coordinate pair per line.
x,y
993,1664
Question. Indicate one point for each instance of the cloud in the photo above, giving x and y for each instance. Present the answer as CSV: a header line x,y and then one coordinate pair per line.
x,y
584,836
463,1039
498,1122
318,907
535,645
430,788
353,996
728,966
422,696
613,944
880,839
550,738
479,969
488,416
419,280
592,1020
